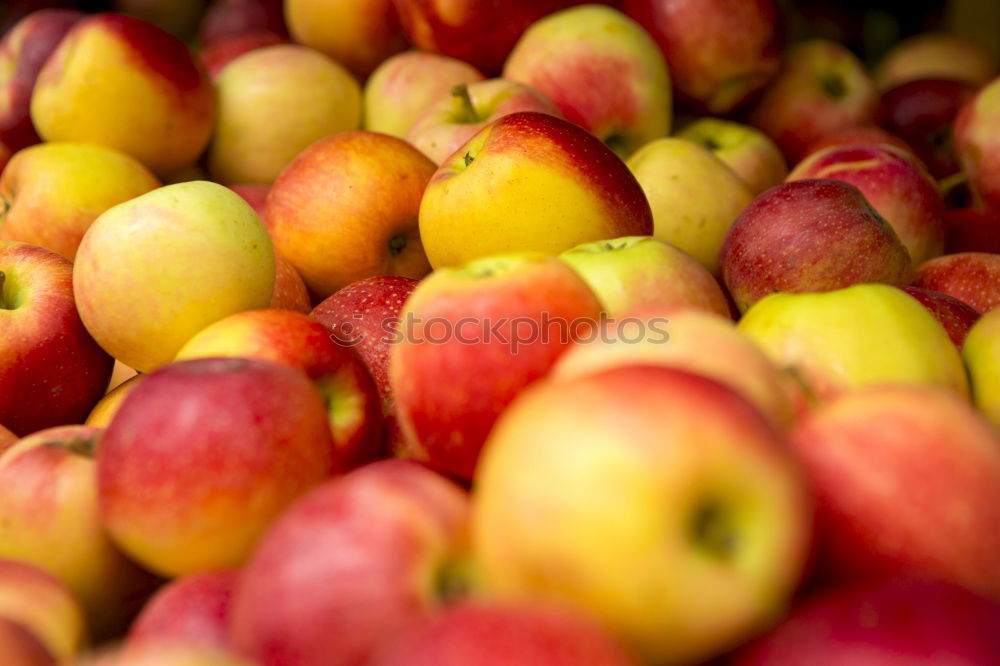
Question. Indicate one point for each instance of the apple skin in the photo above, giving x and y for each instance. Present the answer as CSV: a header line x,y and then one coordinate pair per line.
x,y
52,192
956,316
213,258
167,653
492,634
897,621
976,129
447,125
260,130
225,19
896,186
22,648
866,334
744,149
603,71
693,194
720,52
970,229
220,54
124,83
806,236
7,439
356,561
981,354
23,51
193,609
299,341
934,55
102,413
254,437
52,372
907,481
866,135
290,292
643,272
475,314
659,457
971,277
44,606
346,208
822,88
401,89
529,182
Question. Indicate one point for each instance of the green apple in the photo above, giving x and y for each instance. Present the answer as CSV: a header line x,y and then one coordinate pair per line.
x,y
746,150
981,353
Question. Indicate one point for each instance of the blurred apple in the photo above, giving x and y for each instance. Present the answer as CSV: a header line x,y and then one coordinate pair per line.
x,y
225,19
971,277
190,609
164,653
744,149
178,17
981,354
866,134
936,55
956,316
977,142
7,439
20,647
102,413
290,292
44,606
971,229
218,55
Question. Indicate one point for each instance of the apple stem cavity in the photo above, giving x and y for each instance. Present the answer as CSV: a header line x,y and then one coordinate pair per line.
x,y
3,303
461,92
81,446
833,86
397,244
451,582
711,530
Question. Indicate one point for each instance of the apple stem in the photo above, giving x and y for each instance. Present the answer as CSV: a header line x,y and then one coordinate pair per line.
x,y
3,304
461,91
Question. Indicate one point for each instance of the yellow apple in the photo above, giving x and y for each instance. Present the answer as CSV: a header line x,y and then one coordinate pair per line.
x,y
981,353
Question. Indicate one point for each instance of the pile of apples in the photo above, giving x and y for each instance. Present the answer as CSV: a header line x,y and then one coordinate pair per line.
x,y
423,332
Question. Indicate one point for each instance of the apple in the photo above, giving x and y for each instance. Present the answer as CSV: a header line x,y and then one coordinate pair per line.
x,y
956,316
401,89
273,103
290,292
23,51
44,606
643,478
744,149
178,17
907,481
50,193
164,653
453,120
971,229
21,648
895,185
693,194
936,55
124,83
865,135
212,256
225,19
359,34
509,316
218,55
806,236
192,494
821,89
641,271
981,354
7,439
720,52
53,372
976,129
971,277
529,182
866,334
346,209
102,413
254,194
190,609
602,70
492,634
898,621
299,341
354,562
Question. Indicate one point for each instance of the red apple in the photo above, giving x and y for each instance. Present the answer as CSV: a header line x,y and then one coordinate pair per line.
x,y
972,230
290,292
43,605
971,277
977,142
20,647
806,236
225,19
351,564
956,316
858,135
191,609
221,53
254,194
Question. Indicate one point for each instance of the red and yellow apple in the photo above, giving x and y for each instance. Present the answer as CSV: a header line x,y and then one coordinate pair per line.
x,y
956,316
43,605
193,609
971,277
976,132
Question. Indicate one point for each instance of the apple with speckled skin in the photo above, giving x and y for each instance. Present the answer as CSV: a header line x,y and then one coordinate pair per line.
x,y
529,182
976,132
956,316
746,150
43,605
936,55
971,277
806,236
193,609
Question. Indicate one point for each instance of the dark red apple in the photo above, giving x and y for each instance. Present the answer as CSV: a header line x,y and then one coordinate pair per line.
x,y
228,18
860,135
956,316
972,277
972,230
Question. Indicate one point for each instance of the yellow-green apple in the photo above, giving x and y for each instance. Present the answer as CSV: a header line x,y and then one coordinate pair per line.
x,y
643,478
164,653
273,103
191,494
981,354
693,194
907,481
956,316
746,150
503,634
102,413
602,70
455,118
848,338
897,621
290,292
936,55
720,52
212,257
865,134
350,565
220,54
346,209
976,129
401,89
43,605
481,34
807,236
224,19
699,342
48,498
822,88
52,372
529,182
23,51
640,271
127,84
512,316
297,340
190,609
359,34
20,647
896,186
7,439
50,193
971,277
